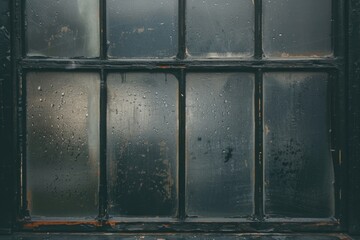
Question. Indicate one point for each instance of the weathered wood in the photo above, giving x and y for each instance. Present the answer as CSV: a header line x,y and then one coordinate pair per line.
x,y
354,117
6,185
180,236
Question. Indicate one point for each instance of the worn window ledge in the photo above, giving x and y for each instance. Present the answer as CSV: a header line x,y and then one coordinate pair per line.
x,y
177,236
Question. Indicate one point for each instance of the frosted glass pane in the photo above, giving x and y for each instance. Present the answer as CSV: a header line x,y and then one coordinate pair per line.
x,y
294,28
142,28
220,144
62,144
299,172
62,28
217,28
142,144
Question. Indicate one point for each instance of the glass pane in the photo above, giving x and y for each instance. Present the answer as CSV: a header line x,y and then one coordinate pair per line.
x,y
217,28
220,144
142,28
142,144
299,172
295,28
63,144
62,28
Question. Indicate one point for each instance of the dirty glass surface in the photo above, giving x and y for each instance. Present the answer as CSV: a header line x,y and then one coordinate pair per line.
x,y
62,28
142,28
62,144
216,28
294,28
142,144
220,144
299,172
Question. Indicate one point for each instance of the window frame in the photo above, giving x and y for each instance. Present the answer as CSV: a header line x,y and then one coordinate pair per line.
x,y
335,67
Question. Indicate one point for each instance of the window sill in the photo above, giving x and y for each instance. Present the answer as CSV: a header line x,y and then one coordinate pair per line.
x,y
176,236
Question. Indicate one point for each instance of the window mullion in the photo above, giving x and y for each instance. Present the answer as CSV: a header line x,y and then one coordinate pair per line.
x,y
182,29
103,32
24,212
259,167
182,146
103,105
258,29
103,172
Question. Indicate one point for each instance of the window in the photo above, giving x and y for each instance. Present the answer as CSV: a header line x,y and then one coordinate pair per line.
x,y
181,115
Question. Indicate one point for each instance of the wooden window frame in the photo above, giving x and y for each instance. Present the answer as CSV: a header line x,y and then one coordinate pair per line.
x,y
345,78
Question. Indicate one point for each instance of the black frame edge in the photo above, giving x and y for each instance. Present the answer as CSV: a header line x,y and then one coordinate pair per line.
x,y
6,120
353,115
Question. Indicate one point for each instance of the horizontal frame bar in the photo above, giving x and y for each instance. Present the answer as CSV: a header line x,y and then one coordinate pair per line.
x,y
137,65
231,225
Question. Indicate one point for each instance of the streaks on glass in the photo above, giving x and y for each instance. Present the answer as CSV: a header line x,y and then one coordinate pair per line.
x,y
142,28
217,28
220,144
62,28
299,172
295,29
142,144
62,144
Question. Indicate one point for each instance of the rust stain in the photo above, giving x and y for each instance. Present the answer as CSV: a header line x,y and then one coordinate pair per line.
x,y
164,67
314,54
37,224
321,224
111,223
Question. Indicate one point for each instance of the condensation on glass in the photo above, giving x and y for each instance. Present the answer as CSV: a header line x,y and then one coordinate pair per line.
x,y
62,144
142,144
142,28
220,144
62,28
294,29
217,29
299,173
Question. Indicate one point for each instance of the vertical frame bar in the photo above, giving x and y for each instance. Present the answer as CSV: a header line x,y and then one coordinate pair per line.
x,y
332,97
20,86
339,100
21,30
103,32
22,151
103,213
182,147
16,48
6,121
338,79
259,166
353,114
182,29
258,30
338,31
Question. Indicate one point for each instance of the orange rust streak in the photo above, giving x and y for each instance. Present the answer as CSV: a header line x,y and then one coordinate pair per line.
x,y
112,223
37,224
